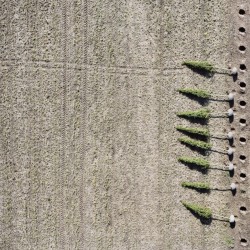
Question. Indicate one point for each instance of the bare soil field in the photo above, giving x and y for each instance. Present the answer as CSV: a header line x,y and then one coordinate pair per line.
x,y
88,144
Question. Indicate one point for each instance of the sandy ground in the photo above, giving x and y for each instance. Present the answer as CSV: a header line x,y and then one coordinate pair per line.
x,y
88,113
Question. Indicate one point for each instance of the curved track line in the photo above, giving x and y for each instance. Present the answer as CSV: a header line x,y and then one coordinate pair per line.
x,y
84,111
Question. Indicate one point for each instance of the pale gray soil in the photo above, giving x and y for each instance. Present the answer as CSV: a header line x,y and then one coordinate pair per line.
x,y
88,113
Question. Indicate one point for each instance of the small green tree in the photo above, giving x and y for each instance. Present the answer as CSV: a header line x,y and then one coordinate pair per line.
x,y
200,114
195,131
200,65
196,92
195,143
196,185
199,162
203,212
209,67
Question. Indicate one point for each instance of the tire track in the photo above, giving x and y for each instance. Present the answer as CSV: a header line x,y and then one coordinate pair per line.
x,y
8,232
34,174
83,120
134,236
63,122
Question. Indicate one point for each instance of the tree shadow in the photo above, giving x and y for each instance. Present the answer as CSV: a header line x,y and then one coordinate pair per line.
x,y
201,72
196,167
232,224
201,101
195,136
235,77
217,100
234,192
196,120
223,137
231,141
200,190
203,220
231,118
225,190
231,173
231,157
219,169
199,150
231,103
217,151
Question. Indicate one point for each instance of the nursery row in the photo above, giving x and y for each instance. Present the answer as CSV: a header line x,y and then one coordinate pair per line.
x,y
198,138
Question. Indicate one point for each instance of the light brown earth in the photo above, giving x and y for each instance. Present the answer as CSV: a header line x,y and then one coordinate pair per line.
x,y
88,113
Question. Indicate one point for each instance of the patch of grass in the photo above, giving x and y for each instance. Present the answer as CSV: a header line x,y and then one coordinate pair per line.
x,y
200,65
200,114
195,92
195,143
196,185
229,241
203,212
195,131
195,161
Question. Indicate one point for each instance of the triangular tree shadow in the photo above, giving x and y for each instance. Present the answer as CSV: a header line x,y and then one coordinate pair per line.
x,y
202,219
197,120
193,166
202,101
201,72
195,136
200,190
199,150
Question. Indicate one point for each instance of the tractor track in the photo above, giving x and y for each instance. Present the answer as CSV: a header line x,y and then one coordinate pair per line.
x,y
62,225
83,116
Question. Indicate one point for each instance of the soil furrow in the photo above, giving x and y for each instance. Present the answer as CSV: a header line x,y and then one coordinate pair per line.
x,y
84,78
62,225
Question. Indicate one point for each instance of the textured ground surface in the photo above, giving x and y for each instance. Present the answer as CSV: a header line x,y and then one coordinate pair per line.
x,y
88,113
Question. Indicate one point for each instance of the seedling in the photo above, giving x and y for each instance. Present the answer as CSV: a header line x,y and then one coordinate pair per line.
x,y
195,131
204,145
229,241
204,114
196,92
205,186
209,67
196,185
204,94
206,213
199,162
200,65
204,164
198,114
195,143
201,211
204,132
